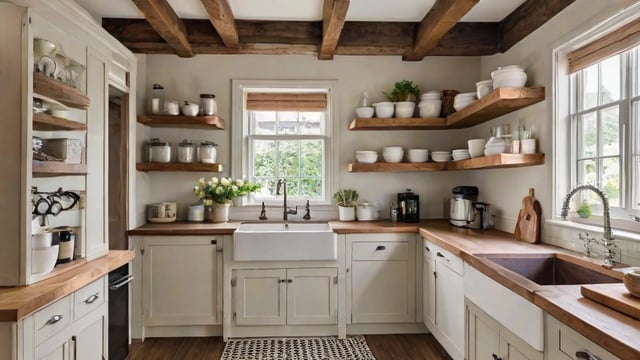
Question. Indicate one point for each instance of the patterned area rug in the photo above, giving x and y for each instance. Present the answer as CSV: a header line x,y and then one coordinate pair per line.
x,y
307,348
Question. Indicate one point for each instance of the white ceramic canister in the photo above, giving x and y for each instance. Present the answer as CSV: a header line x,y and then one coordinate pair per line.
x,y
207,152
186,152
159,151
196,212
208,104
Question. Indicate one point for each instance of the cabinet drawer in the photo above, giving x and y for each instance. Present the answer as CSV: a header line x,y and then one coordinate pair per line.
x,y
570,344
438,253
52,319
88,298
382,250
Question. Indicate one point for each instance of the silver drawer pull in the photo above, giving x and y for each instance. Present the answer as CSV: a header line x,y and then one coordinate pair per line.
x,y
585,355
121,283
54,319
381,248
91,299
439,254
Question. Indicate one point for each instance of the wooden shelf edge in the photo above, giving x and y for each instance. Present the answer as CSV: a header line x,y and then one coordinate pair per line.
x,y
203,122
46,122
499,161
57,168
397,124
199,167
59,91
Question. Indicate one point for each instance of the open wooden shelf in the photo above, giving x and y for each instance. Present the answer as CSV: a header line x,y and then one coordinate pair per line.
x,y
57,90
200,122
497,103
57,168
483,162
46,122
179,167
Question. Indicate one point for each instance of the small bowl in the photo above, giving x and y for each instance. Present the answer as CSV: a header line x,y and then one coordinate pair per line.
x,y
366,157
431,95
441,156
418,155
392,154
364,112
42,47
190,109
484,88
43,260
632,282
509,76
405,109
430,108
384,109
42,240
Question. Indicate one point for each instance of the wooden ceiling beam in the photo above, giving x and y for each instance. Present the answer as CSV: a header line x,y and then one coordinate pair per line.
x,y
441,18
334,13
222,19
167,24
527,18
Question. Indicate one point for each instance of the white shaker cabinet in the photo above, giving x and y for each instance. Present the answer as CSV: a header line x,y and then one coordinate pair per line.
x,y
564,343
443,296
294,296
181,280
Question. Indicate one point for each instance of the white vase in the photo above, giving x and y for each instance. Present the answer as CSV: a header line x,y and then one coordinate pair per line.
x,y
220,212
346,213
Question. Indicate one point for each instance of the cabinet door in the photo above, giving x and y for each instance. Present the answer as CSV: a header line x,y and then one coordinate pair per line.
x,y
450,304
260,297
483,336
89,343
514,348
429,292
61,352
97,151
179,281
312,296
381,292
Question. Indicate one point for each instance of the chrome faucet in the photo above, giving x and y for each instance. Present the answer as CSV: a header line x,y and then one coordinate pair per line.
x,y
282,183
607,239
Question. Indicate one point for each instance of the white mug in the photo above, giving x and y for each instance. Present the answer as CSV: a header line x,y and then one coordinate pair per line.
x,y
528,146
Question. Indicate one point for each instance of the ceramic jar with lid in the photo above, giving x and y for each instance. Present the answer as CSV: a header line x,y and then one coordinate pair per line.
x,y
208,104
159,151
156,103
186,152
207,152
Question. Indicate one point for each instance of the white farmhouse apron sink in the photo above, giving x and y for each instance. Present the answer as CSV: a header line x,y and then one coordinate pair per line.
x,y
284,242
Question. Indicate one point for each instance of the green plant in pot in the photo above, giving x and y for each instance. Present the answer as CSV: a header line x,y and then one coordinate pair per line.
x,y
404,95
585,210
347,200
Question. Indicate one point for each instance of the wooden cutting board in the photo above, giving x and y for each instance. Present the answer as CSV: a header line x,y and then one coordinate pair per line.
x,y
529,218
615,296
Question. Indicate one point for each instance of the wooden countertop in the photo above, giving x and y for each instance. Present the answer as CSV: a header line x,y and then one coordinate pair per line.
x,y
186,228
18,302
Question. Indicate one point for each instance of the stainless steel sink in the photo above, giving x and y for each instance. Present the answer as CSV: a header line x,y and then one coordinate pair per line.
x,y
553,269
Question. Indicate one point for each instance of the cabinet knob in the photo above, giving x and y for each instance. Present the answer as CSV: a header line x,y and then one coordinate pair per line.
x,y
54,319
289,281
585,355
381,248
439,254
91,299
427,248
282,280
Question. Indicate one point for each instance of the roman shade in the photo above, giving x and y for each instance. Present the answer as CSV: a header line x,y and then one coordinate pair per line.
x,y
287,101
622,39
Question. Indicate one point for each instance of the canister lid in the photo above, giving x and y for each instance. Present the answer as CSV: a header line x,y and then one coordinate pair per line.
x,y
185,143
157,142
207,96
158,87
208,144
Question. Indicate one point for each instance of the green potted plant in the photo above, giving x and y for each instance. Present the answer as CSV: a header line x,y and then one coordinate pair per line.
x,y
404,95
216,195
585,210
346,200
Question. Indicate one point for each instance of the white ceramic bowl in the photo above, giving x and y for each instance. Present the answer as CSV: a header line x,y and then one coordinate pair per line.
x,y
417,155
476,147
43,260
41,240
459,105
431,95
509,76
441,156
484,88
42,47
190,109
384,109
430,108
366,157
392,154
405,109
364,112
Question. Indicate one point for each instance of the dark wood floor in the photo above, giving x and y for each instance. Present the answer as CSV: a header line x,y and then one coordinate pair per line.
x,y
384,347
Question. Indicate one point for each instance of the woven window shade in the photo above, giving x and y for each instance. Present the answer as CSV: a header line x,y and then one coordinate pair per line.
x,y
606,46
287,101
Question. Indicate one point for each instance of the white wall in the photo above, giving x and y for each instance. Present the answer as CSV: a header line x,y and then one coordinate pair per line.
x,y
185,79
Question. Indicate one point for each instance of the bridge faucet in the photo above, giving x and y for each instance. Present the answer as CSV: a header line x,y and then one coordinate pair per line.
x,y
282,183
608,240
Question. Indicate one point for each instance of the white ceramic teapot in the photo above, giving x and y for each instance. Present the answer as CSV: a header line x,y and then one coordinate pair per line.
x,y
367,211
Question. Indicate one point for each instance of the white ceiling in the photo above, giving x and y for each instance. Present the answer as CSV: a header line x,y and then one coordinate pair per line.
x,y
309,10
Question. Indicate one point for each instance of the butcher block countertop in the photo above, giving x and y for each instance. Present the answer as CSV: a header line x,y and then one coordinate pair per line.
x,y
614,331
18,302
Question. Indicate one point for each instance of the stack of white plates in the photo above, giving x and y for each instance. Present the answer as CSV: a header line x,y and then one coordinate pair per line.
x,y
462,100
495,146
441,156
461,154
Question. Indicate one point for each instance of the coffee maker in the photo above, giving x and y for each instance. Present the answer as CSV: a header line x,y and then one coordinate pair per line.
x,y
408,207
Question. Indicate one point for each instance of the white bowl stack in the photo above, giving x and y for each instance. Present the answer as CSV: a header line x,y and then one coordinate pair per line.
x,y
441,156
364,112
463,100
366,157
430,104
461,154
384,109
484,88
405,109
495,146
392,154
509,76
418,155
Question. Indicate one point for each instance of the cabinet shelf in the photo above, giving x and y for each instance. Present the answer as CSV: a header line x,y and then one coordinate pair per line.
x,y
59,91
179,167
57,168
46,122
483,162
200,122
497,103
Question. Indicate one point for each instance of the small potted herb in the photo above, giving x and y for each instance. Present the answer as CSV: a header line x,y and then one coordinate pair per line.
x,y
404,95
346,200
